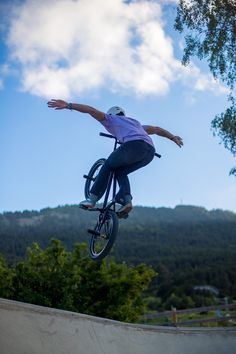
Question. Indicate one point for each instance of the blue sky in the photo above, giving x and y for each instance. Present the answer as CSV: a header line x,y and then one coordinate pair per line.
x,y
102,54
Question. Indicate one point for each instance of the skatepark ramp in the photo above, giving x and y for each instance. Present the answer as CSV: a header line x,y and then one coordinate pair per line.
x,y
30,329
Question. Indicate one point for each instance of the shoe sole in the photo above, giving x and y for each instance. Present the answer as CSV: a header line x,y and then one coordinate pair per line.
x,y
86,207
124,213
123,216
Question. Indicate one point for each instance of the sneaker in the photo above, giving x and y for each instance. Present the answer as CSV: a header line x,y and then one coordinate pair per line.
x,y
87,204
123,212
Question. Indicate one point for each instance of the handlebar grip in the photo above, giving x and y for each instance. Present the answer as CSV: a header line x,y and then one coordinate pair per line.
x,y
157,155
107,135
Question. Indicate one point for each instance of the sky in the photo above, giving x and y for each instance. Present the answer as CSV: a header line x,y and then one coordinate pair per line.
x,y
104,53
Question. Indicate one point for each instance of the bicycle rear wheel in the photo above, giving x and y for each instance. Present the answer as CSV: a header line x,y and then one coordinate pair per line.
x,y
91,177
104,235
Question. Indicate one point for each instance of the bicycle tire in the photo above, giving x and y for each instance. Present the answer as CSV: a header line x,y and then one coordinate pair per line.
x,y
90,178
107,228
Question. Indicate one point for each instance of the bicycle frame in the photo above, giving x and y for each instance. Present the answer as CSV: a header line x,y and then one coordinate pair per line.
x,y
111,179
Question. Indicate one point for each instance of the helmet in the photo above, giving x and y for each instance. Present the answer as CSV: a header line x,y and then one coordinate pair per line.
x,y
116,111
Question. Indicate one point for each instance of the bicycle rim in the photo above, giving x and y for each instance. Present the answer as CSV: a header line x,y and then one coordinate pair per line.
x,y
100,245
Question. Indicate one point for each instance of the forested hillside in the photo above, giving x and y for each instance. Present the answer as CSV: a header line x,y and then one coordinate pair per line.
x,y
188,246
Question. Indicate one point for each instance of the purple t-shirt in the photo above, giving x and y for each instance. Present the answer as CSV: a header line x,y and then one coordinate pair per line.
x,y
125,128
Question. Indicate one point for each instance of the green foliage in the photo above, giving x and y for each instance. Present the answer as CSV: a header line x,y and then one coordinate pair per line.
x,y
57,278
211,35
6,277
43,277
225,125
153,303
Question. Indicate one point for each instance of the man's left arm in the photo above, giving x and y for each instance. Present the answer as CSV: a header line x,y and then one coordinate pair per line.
x,y
164,133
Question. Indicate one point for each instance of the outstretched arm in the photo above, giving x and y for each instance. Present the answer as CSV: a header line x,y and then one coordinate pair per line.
x,y
60,104
164,133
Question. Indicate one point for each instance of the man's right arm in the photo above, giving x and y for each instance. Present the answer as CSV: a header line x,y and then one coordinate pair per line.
x,y
60,104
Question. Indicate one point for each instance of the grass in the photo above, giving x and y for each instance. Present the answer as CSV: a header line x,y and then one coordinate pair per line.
x,y
168,321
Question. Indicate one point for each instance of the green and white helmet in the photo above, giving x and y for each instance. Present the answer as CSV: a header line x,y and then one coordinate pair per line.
x,y
116,111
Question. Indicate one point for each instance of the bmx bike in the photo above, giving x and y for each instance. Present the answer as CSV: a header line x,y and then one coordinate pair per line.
x,y
103,235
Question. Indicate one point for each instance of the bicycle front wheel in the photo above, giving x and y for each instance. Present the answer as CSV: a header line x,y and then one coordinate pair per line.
x,y
104,235
92,175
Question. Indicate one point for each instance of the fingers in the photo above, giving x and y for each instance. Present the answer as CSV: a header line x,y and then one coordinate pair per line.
x,y
178,141
51,103
57,104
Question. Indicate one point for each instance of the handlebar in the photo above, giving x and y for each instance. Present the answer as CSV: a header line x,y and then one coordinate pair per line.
x,y
107,135
113,137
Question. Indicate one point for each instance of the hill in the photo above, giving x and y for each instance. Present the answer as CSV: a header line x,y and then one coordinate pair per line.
x,y
187,245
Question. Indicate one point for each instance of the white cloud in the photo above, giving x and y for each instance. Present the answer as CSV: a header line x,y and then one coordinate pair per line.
x,y
193,77
67,47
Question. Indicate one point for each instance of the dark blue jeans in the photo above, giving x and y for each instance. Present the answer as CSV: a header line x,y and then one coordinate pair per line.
x,y
128,158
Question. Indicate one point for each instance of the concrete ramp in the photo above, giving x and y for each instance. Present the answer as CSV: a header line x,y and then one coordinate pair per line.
x,y
29,329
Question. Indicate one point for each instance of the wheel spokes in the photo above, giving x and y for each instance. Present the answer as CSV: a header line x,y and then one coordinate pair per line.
x,y
101,240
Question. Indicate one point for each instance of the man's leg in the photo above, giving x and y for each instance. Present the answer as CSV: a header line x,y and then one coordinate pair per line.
x,y
126,159
115,160
125,155
98,187
124,196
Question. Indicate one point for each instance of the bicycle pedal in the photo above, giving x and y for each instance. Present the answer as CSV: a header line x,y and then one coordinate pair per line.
x,y
93,232
93,209
122,216
89,178
90,209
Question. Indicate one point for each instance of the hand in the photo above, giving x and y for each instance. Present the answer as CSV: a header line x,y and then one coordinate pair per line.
x,y
57,104
178,141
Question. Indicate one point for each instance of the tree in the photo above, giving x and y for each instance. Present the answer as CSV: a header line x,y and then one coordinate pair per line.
x,y
225,125
212,35
57,278
6,278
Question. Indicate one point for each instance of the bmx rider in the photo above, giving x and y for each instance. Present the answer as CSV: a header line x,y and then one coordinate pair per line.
x,y
136,151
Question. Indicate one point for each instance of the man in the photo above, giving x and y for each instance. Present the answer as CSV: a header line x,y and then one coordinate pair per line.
x,y
136,151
